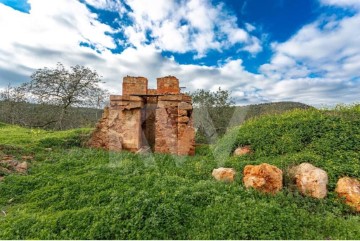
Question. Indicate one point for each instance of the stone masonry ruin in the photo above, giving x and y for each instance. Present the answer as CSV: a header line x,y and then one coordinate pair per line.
x,y
142,119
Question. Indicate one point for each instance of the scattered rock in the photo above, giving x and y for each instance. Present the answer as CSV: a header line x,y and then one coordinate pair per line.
x,y
7,157
240,151
224,174
264,177
310,180
349,188
9,165
22,167
1,178
27,158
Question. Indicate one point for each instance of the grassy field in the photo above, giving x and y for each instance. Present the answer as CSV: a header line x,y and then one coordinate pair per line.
x,y
72,192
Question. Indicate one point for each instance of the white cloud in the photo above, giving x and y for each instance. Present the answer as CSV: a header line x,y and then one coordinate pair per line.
x,y
342,3
183,26
249,27
53,30
111,5
320,62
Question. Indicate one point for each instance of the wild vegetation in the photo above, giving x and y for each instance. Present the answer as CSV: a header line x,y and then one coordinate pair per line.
x,y
214,112
52,97
72,192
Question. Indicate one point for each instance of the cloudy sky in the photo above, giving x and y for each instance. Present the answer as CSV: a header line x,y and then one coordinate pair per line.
x,y
261,50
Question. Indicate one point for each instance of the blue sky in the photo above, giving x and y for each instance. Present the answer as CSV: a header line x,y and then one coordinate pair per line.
x,y
260,50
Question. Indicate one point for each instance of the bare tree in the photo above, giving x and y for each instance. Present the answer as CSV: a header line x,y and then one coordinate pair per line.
x,y
65,88
11,99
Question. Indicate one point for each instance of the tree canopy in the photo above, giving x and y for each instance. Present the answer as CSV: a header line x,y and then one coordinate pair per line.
x,y
212,112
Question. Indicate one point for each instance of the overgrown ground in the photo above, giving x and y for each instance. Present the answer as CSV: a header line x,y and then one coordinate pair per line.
x,y
73,192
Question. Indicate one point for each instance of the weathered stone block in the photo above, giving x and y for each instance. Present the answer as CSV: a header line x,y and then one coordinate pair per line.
x,y
135,85
310,180
168,85
264,177
157,119
349,188
224,174
185,106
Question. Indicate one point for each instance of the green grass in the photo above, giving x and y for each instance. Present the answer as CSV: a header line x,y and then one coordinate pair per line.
x,y
79,193
31,138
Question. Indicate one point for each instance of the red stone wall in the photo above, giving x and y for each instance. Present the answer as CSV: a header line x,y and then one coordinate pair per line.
x,y
175,133
162,122
168,85
166,130
152,91
135,85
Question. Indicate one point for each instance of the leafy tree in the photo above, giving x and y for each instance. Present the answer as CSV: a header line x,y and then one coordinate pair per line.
x,y
212,113
65,88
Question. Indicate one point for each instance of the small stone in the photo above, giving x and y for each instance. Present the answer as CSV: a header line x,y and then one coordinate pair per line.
x,y
264,177
224,174
22,167
310,180
349,188
240,151
1,178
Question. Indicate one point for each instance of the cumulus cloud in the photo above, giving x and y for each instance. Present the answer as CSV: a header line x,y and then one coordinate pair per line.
x,y
183,26
342,3
318,65
53,31
320,62
111,5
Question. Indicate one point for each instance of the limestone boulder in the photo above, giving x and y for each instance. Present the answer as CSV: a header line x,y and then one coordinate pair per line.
x,y
349,188
264,177
310,180
240,151
224,174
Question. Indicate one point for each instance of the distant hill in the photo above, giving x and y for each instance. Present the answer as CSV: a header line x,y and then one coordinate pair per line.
x,y
35,115
213,123
243,113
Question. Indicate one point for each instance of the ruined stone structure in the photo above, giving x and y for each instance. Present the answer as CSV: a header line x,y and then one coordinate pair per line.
x,y
157,119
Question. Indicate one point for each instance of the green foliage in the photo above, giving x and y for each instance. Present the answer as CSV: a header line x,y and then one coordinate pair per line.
x,y
79,193
212,113
20,137
326,138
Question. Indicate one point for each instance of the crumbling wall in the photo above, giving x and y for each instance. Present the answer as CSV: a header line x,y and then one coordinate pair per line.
x,y
175,133
120,126
135,85
157,118
168,85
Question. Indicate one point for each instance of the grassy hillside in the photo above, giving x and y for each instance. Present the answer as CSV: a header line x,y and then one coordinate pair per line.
x,y
213,122
244,113
79,193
